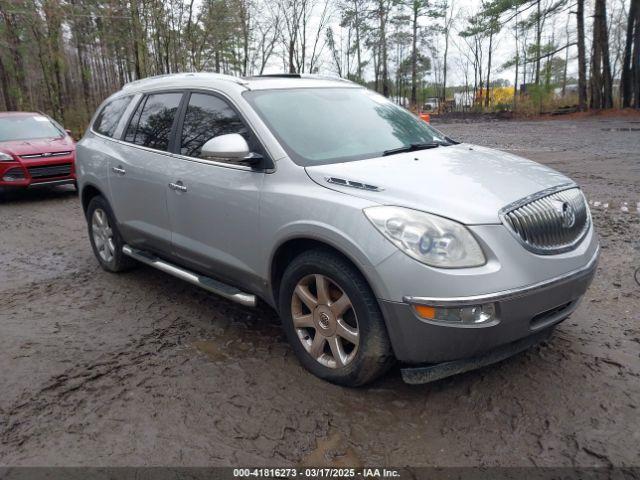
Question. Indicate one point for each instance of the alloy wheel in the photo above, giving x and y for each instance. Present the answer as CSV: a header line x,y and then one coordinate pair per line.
x,y
325,321
103,235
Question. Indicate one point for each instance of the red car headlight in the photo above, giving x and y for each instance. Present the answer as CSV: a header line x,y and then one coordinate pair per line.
x,y
5,157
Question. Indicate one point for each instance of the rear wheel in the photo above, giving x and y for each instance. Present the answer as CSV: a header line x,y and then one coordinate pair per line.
x,y
332,319
105,238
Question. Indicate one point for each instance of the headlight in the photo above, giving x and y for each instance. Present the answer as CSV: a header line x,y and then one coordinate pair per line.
x,y
5,157
430,239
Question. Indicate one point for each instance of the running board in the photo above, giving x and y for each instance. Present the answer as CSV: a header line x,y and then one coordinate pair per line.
x,y
207,283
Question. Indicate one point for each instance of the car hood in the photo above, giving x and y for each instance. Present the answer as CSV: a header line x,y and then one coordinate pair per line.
x,y
37,146
464,182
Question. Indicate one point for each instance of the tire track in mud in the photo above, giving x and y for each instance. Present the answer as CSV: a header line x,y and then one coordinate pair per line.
x,y
68,391
71,400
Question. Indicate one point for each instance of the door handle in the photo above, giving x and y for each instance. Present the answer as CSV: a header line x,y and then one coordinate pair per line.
x,y
118,170
178,186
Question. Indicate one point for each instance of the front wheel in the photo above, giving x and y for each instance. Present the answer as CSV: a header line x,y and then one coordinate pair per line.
x,y
332,319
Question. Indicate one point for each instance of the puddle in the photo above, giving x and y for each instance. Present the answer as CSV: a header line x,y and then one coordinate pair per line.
x,y
211,350
332,451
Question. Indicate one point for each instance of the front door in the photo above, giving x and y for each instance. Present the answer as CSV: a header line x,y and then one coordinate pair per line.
x,y
214,206
139,172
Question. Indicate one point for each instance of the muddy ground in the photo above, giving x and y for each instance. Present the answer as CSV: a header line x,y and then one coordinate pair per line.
x,y
143,369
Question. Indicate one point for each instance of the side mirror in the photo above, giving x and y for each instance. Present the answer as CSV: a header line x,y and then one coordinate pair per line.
x,y
231,146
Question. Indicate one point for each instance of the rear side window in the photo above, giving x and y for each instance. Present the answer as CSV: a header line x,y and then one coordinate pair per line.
x,y
107,120
152,121
208,116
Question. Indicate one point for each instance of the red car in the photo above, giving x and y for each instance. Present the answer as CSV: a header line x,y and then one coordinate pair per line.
x,y
35,151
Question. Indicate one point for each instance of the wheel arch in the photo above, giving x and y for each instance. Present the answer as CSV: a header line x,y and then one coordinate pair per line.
x,y
89,191
290,248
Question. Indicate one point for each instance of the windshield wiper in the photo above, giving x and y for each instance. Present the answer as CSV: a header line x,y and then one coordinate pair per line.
x,y
410,148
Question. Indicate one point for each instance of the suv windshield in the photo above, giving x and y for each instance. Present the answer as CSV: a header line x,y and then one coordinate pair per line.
x,y
330,125
27,128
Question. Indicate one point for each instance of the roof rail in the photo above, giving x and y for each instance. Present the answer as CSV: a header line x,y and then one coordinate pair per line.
x,y
301,75
217,76
276,75
325,77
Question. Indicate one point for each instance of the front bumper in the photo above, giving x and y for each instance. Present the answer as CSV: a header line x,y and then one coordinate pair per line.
x,y
21,171
520,313
431,373
44,183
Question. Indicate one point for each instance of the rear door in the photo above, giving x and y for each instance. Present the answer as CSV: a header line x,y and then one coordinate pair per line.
x,y
214,213
138,175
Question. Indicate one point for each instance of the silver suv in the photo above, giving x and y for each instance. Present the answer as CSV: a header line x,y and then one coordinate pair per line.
x,y
376,237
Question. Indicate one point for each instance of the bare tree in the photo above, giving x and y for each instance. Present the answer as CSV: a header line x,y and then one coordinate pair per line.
x,y
582,58
382,11
630,81
449,17
601,80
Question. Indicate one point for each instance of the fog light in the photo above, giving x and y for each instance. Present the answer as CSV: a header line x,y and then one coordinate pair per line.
x,y
13,175
470,315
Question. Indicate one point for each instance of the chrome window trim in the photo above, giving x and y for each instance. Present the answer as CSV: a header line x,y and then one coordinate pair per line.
x,y
122,142
218,164
532,198
505,294
182,157
178,156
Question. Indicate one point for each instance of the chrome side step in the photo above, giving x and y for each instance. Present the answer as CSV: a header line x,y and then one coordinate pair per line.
x,y
209,284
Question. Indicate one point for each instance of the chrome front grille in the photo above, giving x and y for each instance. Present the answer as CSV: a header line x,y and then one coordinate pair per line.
x,y
47,171
45,155
549,222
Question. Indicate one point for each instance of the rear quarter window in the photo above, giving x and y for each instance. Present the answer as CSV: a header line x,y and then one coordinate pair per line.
x,y
107,120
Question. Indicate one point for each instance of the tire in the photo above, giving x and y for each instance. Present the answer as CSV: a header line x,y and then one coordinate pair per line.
x,y
112,259
337,355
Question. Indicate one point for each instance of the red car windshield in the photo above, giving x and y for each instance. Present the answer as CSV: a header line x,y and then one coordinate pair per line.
x,y
27,128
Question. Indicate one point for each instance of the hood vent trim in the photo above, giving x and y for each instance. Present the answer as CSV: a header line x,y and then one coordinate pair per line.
x,y
353,184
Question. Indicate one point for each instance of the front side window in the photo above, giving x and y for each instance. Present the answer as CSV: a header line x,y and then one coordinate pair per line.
x,y
208,116
109,117
331,125
24,127
152,121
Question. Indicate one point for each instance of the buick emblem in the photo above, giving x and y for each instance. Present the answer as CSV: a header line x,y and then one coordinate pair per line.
x,y
324,320
567,214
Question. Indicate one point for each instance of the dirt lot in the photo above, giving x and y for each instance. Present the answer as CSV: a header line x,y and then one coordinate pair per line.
x,y
142,369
